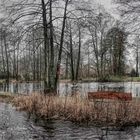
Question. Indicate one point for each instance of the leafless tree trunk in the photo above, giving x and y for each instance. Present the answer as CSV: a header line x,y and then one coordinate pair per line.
x,y
45,45
71,56
6,56
79,55
137,61
61,45
51,64
2,51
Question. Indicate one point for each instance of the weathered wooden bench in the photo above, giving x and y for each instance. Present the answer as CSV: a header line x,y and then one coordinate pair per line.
x,y
110,95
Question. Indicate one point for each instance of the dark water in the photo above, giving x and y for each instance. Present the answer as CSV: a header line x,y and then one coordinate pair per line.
x,y
67,88
14,125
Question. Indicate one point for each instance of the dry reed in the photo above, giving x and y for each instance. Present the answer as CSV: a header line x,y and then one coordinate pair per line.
x,y
77,109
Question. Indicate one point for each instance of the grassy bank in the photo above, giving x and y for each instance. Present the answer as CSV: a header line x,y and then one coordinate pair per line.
x,y
85,80
80,110
109,79
113,79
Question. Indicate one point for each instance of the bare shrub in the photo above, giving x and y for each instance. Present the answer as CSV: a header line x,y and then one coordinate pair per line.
x,y
77,109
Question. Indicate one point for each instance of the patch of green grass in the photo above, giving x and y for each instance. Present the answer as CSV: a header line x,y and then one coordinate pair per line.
x,y
111,79
116,79
2,81
133,79
121,79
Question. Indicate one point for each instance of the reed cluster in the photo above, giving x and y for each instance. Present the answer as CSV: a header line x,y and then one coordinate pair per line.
x,y
80,110
6,97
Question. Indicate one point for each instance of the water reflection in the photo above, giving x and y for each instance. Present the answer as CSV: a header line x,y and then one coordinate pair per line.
x,y
69,131
68,88
14,125
83,88
24,88
104,87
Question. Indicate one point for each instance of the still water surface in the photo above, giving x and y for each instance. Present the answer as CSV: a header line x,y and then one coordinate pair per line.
x,y
15,125
67,88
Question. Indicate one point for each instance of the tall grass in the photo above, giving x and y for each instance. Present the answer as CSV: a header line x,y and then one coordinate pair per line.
x,y
77,109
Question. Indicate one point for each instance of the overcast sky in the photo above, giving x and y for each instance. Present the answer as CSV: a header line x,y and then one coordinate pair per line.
x,y
106,3
110,6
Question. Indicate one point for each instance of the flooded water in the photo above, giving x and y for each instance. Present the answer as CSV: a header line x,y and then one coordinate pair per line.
x,y
68,88
15,125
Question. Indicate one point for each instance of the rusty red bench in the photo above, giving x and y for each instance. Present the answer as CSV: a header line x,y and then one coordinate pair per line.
x,y
110,95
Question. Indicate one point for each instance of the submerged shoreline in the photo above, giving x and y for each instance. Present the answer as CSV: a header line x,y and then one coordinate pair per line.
x,y
79,110
15,125
110,79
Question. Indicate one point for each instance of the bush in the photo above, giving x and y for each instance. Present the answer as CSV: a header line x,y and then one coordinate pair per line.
x,y
81,110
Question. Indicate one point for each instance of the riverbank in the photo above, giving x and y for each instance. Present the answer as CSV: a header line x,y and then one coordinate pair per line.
x,y
84,80
15,125
113,79
109,79
80,110
77,109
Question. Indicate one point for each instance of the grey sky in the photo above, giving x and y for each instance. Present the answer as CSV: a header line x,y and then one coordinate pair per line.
x,y
106,3
110,6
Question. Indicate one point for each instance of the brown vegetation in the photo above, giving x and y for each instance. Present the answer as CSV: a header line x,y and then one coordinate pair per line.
x,y
110,95
77,109
6,97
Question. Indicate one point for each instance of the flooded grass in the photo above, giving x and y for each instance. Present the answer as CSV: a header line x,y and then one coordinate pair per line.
x,y
6,97
81,110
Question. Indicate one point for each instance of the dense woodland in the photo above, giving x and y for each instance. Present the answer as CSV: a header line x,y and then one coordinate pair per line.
x,y
49,40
